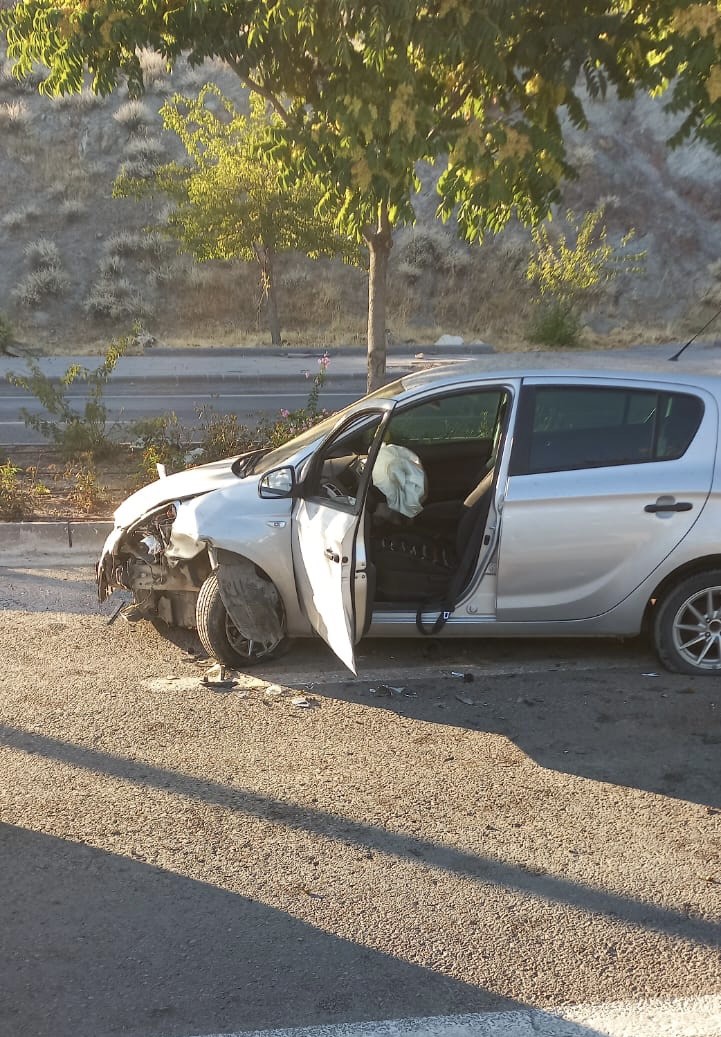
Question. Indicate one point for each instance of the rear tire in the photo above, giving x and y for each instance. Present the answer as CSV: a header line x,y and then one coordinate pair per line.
x,y
221,639
687,626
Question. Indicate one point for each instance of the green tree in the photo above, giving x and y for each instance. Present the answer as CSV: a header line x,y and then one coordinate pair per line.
x,y
231,198
366,91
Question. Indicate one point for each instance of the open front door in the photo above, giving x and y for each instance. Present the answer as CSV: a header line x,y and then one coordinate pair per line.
x,y
329,550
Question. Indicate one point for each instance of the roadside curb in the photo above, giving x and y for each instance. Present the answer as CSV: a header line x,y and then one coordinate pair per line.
x,y
42,544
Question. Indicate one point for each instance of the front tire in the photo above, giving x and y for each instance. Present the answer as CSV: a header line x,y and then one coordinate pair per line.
x,y
221,638
687,628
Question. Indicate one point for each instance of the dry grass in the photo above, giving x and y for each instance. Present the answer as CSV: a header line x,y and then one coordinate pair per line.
x,y
72,208
14,116
133,116
33,289
84,101
17,218
42,254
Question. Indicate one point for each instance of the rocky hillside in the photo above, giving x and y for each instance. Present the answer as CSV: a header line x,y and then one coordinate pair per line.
x,y
78,266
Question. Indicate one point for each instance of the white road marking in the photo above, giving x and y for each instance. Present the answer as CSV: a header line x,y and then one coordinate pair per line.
x,y
195,395
675,1017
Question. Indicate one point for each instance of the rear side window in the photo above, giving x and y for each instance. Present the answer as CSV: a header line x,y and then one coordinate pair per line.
x,y
562,428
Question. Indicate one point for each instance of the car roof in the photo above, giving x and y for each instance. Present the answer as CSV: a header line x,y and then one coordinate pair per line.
x,y
694,372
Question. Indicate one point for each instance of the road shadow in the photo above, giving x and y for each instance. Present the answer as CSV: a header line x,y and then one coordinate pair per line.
x,y
705,931
659,732
94,944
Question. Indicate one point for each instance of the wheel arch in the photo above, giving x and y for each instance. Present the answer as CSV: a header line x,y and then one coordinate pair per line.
x,y
673,579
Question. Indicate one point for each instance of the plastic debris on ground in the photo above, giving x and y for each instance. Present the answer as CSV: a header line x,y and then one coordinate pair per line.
x,y
216,677
389,690
303,702
273,690
464,676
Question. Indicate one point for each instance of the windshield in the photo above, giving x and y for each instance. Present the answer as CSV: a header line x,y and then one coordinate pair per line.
x,y
279,456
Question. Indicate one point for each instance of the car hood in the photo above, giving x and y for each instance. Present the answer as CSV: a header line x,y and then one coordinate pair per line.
x,y
191,483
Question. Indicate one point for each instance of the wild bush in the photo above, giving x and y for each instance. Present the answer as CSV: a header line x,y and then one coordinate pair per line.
x,y
75,430
32,289
570,269
162,440
42,254
7,333
133,116
222,435
14,116
20,492
155,70
72,208
86,494
17,218
145,149
113,298
554,323
85,100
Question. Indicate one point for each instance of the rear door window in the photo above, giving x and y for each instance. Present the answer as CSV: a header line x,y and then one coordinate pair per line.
x,y
572,427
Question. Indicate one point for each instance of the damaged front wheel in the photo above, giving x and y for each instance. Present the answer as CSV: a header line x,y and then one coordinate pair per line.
x,y
222,639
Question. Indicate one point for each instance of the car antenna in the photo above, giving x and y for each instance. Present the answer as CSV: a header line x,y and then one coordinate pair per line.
x,y
694,337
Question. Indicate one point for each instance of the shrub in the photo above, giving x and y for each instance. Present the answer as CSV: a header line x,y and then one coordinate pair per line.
x,y
135,243
19,492
42,254
31,291
162,440
71,208
154,68
555,324
14,116
111,266
113,298
75,431
83,101
291,423
7,333
133,116
145,149
222,435
570,270
143,155
86,494
17,218
431,249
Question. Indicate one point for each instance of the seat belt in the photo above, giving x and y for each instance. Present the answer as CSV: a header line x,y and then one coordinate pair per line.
x,y
447,605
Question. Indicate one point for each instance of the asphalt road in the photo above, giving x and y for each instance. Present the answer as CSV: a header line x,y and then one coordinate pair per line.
x,y
183,858
129,401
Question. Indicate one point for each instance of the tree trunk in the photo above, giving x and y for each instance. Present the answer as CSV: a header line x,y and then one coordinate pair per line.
x,y
380,242
267,286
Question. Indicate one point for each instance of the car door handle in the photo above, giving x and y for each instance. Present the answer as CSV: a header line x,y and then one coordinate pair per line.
x,y
669,505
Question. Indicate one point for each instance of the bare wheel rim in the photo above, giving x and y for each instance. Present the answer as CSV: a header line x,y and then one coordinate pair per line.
x,y
696,629
245,647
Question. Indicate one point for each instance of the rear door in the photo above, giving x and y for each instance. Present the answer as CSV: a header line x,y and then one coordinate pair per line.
x,y
605,479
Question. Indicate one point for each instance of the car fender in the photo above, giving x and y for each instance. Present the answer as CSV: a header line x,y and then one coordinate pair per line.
x,y
236,520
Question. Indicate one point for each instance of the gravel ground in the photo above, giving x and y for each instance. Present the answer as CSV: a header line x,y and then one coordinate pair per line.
x,y
181,858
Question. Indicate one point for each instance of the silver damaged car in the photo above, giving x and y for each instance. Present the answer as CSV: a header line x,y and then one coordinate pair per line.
x,y
452,503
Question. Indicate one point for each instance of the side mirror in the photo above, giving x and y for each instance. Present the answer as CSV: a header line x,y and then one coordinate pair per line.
x,y
279,482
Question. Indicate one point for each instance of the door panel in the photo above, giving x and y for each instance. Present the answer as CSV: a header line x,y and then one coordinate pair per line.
x,y
329,555
325,546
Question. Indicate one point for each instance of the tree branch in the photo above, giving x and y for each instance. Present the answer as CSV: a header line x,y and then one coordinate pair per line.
x,y
262,91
